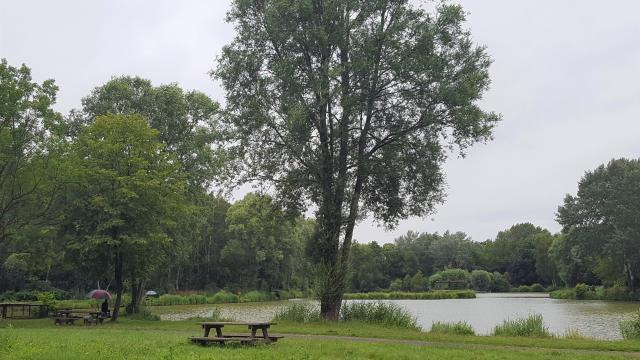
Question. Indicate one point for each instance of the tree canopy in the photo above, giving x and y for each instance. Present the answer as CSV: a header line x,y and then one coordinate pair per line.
x,y
603,218
351,106
128,193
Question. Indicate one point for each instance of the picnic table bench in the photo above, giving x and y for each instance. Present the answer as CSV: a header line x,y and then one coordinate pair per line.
x,y
69,316
248,339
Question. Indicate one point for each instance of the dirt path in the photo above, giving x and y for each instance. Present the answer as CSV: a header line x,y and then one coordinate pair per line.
x,y
459,345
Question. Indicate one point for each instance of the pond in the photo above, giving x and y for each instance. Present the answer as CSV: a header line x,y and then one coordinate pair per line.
x,y
594,319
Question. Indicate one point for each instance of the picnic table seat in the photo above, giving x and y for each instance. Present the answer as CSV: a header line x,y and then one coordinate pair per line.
x,y
65,320
248,339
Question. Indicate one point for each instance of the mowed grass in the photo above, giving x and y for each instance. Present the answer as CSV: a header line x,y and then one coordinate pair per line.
x,y
130,339
103,343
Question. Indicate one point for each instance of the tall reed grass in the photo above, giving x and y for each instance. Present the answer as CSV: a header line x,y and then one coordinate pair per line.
x,y
380,313
386,314
457,328
299,312
630,328
532,326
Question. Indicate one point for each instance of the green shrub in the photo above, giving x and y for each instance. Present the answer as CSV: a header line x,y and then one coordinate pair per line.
x,y
630,329
48,301
500,282
299,312
533,325
396,285
581,291
481,280
450,279
457,328
537,288
419,282
386,314
563,294
224,296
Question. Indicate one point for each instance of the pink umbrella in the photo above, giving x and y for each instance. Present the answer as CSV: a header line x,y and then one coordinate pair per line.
x,y
99,294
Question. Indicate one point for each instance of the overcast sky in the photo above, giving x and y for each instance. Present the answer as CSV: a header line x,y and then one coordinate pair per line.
x,y
566,78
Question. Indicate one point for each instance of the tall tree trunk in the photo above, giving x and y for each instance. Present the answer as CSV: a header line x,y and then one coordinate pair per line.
x,y
119,286
137,291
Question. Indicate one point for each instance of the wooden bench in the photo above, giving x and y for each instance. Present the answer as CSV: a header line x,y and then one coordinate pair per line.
x,y
250,339
64,320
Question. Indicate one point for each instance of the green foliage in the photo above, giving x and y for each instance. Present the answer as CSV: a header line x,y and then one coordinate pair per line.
x,y
533,325
350,114
386,314
427,295
522,289
28,136
581,291
145,315
126,198
380,313
457,328
48,300
299,312
223,296
396,285
499,283
601,220
537,288
481,280
450,279
259,237
630,328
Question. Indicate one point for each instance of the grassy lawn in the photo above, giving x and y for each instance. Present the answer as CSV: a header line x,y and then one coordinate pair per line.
x,y
39,339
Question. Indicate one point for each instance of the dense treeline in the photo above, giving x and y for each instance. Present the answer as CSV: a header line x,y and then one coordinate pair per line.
x,y
117,195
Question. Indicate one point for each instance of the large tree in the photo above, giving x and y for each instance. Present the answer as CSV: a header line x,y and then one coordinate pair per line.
x,y
185,120
27,169
128,195
351,106
604,218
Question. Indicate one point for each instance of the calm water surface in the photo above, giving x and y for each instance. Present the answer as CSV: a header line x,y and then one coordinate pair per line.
x,y
595,319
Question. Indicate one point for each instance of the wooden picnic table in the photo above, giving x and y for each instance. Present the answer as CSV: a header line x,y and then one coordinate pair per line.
x,y
69,316
241,338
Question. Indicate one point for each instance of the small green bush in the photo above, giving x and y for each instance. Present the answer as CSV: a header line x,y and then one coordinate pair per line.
x,y
48,301
500,282
630,329
522,289
450,279
537,288
581,291
481,280
224,296
533,325
396,285
457,328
